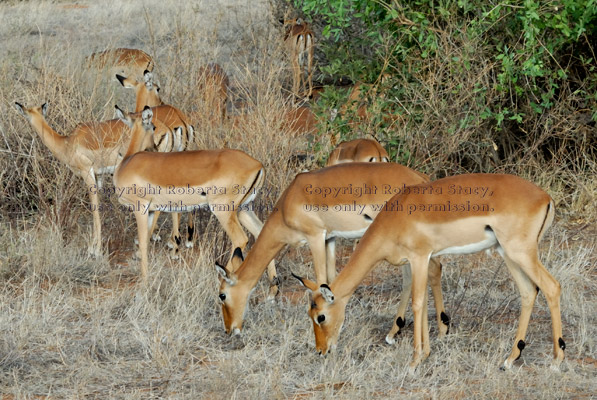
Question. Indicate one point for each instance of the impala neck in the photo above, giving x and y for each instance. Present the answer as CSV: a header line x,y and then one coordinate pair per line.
x,y
137,139
366,256
268,244
146,98
52,139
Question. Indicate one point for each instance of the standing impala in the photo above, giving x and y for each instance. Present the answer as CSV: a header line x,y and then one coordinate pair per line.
x,y
147,94
298,40
212,85
456,215
92,149
225,181
319,206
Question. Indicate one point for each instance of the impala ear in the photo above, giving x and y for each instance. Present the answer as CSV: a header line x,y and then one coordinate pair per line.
x,y
44,109
19,107
310,285
229,277
146,117
326,293
121,79
123,117
148,79
146,114
126,82
237,259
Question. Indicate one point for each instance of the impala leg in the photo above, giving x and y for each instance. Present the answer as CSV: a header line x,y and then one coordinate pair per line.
x,y
330,259
310,65
143,235
531,276
443,321
318,251
96,241
190,230
174,241
419,269
296,73
399,320
232,227
435,277
249,220
425,338
153,225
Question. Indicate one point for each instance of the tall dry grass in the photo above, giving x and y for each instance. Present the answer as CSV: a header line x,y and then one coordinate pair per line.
x,y
72,326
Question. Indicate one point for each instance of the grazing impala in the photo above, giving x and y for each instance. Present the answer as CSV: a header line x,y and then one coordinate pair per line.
x,y
298,40
225,181
456,215
319,206
129,61
359,150
91,150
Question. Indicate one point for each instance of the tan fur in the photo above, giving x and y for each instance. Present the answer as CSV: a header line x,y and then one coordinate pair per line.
x,y
359,150
226,180
299,43
91,149
517,214
146,94
304,216
121,60
213,82
293,120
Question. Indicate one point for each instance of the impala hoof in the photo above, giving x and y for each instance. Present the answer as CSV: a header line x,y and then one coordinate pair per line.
x,y
273,292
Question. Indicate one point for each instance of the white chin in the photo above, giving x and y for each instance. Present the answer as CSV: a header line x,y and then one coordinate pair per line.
x,y
236,332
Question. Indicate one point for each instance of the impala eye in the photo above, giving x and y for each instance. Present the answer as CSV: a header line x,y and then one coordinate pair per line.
x,y
222,296
320,318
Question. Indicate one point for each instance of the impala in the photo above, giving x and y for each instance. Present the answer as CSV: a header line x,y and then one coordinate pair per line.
x,y
225,181
319,206
131,61
213,82
298,40
92,149
295,121
147,94
360,150
455,215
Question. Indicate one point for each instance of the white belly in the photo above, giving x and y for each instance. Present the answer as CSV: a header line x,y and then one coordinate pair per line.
x,y
490,241
346,234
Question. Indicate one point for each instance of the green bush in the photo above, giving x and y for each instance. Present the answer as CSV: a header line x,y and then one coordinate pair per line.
x,y
478,85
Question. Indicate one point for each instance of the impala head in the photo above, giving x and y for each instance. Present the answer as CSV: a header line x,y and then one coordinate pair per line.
x,y
147,92
28,113
326,313
233,296
141,127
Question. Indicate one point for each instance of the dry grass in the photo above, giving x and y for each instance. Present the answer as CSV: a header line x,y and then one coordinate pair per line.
x,y
73,327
